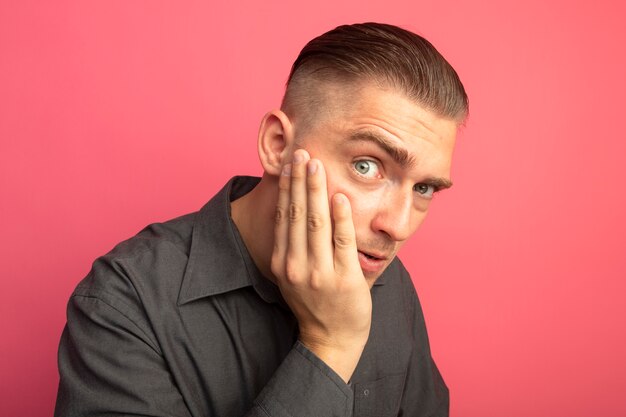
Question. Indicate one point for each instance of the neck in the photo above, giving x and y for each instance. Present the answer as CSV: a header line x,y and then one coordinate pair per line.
x,y
253,215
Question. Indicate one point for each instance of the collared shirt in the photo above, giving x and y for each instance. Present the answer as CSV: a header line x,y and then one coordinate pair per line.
x,y
178,321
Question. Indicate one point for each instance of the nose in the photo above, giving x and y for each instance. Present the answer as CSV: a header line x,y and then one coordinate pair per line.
x,y
397,216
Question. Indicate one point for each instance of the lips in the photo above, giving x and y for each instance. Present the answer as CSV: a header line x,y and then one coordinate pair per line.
x,y
372,256
371,262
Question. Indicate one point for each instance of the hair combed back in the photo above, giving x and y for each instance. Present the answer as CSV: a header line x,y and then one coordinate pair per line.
x,y
385,54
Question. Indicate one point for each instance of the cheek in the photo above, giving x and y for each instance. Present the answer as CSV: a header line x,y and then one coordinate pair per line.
x,y
364,203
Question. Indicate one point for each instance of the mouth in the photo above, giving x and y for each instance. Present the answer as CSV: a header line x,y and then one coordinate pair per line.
x,y
371,262
371,256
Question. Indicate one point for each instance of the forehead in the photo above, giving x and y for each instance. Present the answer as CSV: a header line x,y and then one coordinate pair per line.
x,y
397,113
389,114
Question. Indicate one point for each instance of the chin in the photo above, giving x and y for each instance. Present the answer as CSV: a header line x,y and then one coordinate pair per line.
x,y
371,277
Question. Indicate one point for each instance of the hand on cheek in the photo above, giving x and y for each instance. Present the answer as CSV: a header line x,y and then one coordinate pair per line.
x,y
317,268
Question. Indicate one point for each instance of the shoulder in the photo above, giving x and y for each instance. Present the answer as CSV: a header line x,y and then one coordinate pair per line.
x,y
142,269
173,235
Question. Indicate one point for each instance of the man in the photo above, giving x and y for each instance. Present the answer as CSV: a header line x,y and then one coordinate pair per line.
x,y
283,296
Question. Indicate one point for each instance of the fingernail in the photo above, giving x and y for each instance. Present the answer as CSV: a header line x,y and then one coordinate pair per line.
x,y
312,167
286,170
340,199
298,157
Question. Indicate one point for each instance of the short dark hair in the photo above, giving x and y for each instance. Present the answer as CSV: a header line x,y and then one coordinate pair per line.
x,y
386,54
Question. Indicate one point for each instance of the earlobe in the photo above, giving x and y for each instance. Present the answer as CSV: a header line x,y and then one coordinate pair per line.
x,y
275,141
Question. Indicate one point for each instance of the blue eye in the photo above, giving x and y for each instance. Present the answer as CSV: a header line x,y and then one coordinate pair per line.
x,y
426,190
366,168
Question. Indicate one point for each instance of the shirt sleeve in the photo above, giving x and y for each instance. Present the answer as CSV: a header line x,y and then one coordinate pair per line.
x,y
109,366
304,386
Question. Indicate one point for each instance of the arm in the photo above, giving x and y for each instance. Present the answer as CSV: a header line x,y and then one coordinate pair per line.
x,y
110,363
304,386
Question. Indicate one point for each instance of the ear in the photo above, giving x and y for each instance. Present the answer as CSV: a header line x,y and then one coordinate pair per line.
x,y
275,141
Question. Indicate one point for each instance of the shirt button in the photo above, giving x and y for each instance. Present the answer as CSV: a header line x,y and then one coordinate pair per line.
x,y
366,392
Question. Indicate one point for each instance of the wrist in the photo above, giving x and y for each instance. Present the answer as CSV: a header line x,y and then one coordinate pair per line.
x,y
342,357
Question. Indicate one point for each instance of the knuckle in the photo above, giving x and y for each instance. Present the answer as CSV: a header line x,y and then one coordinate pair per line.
x,y
295,212
314,183
315,222
283,184
291,272
276,266
343,241
316,280
277,263
280,215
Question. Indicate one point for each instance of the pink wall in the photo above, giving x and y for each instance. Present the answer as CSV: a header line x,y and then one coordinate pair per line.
x,y
114,114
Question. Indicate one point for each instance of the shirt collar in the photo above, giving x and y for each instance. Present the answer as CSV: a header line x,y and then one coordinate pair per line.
x,y
218,259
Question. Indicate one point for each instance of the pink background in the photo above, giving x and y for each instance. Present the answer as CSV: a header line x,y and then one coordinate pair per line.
x,y
115,114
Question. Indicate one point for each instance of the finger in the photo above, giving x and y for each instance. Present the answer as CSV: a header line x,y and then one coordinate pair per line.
x,y
344,238
297,247
281,227
319,228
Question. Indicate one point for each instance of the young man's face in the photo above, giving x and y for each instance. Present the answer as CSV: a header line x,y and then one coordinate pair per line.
x,y
388,155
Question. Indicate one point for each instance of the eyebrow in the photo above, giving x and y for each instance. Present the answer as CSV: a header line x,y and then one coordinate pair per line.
x,y
399,155
438,182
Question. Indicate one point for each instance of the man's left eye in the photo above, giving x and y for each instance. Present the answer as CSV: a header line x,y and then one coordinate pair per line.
x,y
366,168
426,190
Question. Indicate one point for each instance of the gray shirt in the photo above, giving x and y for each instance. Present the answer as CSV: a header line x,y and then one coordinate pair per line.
x,y
178,321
